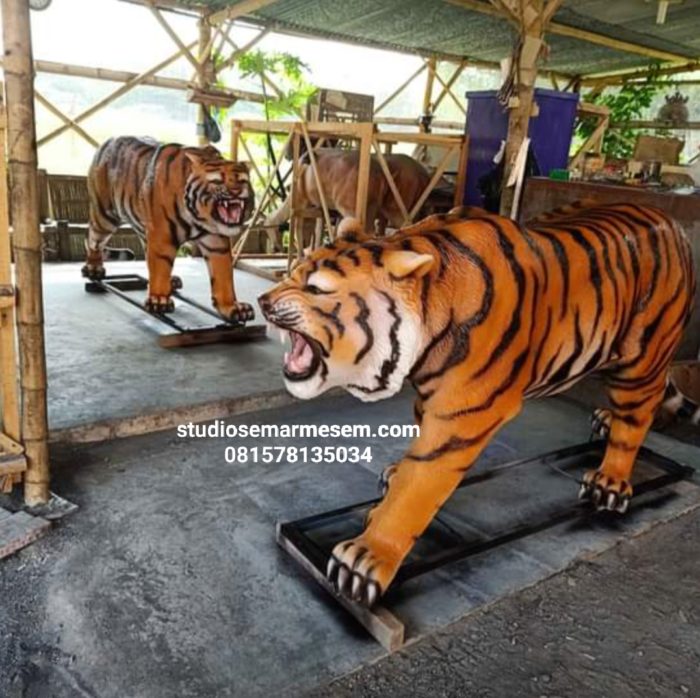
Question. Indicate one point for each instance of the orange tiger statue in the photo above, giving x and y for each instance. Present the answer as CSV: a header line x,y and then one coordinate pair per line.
x,y
170,194
480,315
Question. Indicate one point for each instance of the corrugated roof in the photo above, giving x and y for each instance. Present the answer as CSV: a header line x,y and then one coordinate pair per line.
x,y
428,26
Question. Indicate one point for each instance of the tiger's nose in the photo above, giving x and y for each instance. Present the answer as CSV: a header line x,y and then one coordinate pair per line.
x,y
265,304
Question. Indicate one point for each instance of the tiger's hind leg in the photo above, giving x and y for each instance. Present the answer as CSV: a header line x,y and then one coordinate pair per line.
x,y
634,401
97,239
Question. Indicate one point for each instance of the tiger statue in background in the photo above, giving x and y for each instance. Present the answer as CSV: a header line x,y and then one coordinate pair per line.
x,y
480,315
170,195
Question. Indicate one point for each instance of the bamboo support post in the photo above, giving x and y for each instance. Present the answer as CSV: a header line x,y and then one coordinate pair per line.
x,y
462,172
204,76
261,203
390,181
440,170
317,179
519,117
24,203
365,133
428,93
9,409
295,229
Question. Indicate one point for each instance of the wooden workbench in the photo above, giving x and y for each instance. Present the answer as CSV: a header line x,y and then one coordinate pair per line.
x,y
543,194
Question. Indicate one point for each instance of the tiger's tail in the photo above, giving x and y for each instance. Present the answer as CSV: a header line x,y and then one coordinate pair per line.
x,y
679,406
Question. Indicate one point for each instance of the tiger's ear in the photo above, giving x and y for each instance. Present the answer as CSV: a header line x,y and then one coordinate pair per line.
x,y
403,263
198,156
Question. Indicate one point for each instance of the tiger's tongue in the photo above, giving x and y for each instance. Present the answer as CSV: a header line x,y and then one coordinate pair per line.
x,y
230,213
300,358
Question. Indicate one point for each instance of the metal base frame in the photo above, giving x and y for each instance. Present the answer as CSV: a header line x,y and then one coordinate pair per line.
x,y
297,537
119,284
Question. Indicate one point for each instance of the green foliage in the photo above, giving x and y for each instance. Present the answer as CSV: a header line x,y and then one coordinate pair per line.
x,y
288,72
628,103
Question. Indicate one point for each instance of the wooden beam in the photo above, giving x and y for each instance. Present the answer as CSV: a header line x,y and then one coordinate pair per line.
x,y
401,88
184,50
66,119
581,34
240,9
24,207
125,76
447,86
662,125
447,90
618,78
126,87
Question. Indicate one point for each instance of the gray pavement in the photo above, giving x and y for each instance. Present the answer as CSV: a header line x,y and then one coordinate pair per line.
x,y
103,361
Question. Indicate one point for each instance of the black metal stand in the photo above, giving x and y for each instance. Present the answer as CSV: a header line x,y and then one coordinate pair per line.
x,y
310,540
120,284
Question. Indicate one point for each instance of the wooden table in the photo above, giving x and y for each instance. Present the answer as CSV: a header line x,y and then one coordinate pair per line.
x,y
543,194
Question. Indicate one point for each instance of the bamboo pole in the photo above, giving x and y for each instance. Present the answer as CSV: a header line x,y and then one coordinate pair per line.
x,y
519,117
24,204
575,33
366,132
295,230
126,87
8,354
203,76
400,88
390,181
447,90
447,86
317,179
429,82
185,50
65,119
440,170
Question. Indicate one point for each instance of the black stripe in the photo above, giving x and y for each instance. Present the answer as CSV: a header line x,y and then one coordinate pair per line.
x,y
455,443
361,320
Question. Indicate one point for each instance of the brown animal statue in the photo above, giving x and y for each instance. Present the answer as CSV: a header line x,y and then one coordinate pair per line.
x,y
480,315
338,169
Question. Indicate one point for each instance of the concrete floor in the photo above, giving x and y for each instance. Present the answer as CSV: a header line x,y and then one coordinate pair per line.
x,y
104,363
168,580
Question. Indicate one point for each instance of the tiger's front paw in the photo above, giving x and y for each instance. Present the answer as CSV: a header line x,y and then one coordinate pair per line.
x,y
159,304
238,312
359,571
606,492
94,272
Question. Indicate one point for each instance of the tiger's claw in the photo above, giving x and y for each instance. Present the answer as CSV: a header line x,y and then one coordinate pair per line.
x,y
159,304
605,492
357,573
93,272
239,313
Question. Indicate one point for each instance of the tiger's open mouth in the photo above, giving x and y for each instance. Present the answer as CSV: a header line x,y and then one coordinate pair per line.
x,y
303,359
230,211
